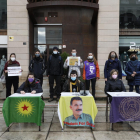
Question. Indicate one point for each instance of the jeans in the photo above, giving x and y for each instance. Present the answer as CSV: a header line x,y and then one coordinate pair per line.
x,y
136,88
93,81
58,85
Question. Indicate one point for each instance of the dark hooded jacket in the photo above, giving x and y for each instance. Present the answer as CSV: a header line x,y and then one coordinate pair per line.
x,y
37,67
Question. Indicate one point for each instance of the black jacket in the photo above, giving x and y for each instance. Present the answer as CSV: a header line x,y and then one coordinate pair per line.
x,y
37,67
113,85
55,65
37,87
79,84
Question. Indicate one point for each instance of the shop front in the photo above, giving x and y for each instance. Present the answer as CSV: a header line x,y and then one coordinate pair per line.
x,y
127,46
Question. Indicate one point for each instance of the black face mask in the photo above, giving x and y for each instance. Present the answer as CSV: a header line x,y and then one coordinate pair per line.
x,y
133,58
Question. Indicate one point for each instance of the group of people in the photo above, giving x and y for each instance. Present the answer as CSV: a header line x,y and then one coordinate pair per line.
x,y
55,66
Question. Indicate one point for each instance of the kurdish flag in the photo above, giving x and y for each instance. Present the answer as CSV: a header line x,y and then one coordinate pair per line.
x,y
23,109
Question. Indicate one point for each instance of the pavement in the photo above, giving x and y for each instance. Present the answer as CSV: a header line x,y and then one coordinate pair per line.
x,y
51,129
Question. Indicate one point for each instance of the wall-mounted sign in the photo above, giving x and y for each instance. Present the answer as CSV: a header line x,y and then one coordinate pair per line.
x,y
64,46
133,47
11,38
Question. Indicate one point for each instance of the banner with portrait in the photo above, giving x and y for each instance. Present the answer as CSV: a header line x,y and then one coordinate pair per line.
x,y
14,71
77,111
73,61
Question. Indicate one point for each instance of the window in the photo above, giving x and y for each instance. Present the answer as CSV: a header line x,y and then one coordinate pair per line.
x,y
3,14
48,35
129,14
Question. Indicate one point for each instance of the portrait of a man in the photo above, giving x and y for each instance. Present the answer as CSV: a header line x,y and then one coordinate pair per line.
x,y
78,118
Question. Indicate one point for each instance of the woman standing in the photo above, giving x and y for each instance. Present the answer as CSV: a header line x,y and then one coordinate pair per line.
x,y
91,72
112,63
37,66
133,69
11,80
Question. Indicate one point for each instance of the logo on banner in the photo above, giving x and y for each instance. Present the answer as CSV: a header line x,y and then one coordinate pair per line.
x,y
129,108
25,107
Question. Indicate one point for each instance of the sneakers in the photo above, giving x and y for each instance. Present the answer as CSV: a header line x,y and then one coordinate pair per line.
x,y
51,99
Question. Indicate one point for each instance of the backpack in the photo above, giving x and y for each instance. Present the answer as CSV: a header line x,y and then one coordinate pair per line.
x,y
32,64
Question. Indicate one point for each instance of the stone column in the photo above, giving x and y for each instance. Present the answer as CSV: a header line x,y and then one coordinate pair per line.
x,y
18,26
108,31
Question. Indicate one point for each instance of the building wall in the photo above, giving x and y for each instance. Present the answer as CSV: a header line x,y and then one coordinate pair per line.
x,y
108,30
18,26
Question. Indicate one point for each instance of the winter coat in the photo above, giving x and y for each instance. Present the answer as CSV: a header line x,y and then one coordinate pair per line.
x,y
37,87
114,85
79,84
55,65
133,66
110,65
37,67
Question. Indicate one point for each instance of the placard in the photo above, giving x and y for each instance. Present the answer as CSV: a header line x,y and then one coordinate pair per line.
x,y
73,61
14,71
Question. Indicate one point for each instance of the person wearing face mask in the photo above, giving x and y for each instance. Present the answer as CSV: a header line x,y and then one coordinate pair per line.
x,y
91,72
37,66
31,85
11,80
73,84
54,72
133,69
112,63
77,68
114,84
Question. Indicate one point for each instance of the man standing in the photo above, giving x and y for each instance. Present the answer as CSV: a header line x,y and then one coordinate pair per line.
x,y
54,72
77,68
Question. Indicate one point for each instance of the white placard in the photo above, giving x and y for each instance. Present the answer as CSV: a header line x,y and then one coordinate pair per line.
x,y
64,46
123,94
73,61
73,94
26,95
14,71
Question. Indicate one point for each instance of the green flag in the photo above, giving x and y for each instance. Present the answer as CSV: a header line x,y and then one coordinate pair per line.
x,y
23,109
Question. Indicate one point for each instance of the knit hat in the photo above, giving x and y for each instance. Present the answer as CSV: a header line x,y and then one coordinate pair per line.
x,y
55,48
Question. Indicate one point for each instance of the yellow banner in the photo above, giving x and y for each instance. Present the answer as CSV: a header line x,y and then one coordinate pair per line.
x,y
77,111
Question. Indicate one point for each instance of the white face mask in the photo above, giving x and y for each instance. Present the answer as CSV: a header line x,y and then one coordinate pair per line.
x,y
13,58
90,57
54,52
